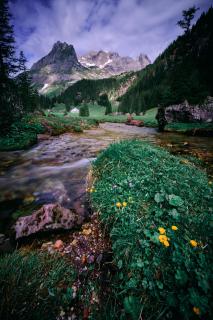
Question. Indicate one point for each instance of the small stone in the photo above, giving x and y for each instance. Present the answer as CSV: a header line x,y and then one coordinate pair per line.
x,y
74,242
86,232
91,259
84,259
58,244
51,250
99,258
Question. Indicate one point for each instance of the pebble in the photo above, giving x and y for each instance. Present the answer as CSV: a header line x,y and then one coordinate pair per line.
x,y
58,244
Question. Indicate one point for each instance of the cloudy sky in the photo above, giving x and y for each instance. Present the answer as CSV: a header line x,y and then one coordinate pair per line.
x,y
129,27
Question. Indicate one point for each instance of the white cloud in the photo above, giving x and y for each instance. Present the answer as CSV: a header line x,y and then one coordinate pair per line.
x,y
128,27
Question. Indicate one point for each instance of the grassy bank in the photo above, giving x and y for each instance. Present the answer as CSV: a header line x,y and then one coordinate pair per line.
x,y
24,133
35,286
191,128
157,211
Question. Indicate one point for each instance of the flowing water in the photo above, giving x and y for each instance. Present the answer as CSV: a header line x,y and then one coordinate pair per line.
x,y
55,170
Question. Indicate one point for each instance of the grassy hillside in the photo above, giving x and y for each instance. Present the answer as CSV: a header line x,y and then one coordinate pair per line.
x,y
183,71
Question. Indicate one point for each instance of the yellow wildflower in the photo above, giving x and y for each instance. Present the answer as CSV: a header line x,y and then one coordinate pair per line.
x,y
162,238
124,204
161,230
210,182
174,228
196,310
166,243
193,243
91,190
118,204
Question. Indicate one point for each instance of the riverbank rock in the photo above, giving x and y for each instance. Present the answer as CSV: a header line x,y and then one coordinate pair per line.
x,y
49,217
187,113
137,123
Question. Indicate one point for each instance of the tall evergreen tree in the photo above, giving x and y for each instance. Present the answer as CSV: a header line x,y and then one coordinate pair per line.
x,y
188,16
7,43
27,94
10,104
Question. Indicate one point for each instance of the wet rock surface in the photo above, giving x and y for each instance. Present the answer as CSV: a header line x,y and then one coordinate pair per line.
x,y
49,217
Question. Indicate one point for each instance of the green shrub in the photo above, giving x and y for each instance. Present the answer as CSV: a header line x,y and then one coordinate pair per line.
x,y
84,111
34,286
14,141
78,129
139,189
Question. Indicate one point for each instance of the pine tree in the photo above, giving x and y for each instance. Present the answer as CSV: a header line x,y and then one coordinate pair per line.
x,y
8,61
27,94
108,108
84,111
188,16
10,104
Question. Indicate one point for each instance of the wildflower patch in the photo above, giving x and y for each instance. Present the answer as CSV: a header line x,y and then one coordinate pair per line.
x,y
157,213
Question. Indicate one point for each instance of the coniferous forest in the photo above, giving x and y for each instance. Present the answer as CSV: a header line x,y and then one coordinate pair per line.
x,y
183,71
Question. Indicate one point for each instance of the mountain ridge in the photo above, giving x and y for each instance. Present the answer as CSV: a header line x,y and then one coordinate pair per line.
x,y
61,67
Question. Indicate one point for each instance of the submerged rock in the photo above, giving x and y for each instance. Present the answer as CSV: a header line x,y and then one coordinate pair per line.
x,y
49,217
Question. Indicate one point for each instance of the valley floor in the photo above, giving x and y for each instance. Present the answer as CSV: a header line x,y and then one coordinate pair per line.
x,y
31,128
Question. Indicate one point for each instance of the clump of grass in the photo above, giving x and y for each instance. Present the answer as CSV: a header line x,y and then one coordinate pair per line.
x,y
157,211
34,286
187,127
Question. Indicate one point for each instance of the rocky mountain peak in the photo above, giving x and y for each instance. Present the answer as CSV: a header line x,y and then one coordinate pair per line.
x,y
61,57
113,62
144,60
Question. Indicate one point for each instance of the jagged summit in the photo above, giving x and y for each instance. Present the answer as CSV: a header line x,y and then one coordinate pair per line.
x,y
113,62
62,57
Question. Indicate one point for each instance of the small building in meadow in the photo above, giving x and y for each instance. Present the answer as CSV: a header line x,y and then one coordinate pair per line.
x,y
75,110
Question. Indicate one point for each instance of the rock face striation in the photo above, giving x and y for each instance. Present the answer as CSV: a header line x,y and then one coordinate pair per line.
x,y
49,217
61,67
187,113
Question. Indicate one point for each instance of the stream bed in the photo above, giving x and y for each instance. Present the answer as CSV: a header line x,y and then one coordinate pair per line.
x,y
55,170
